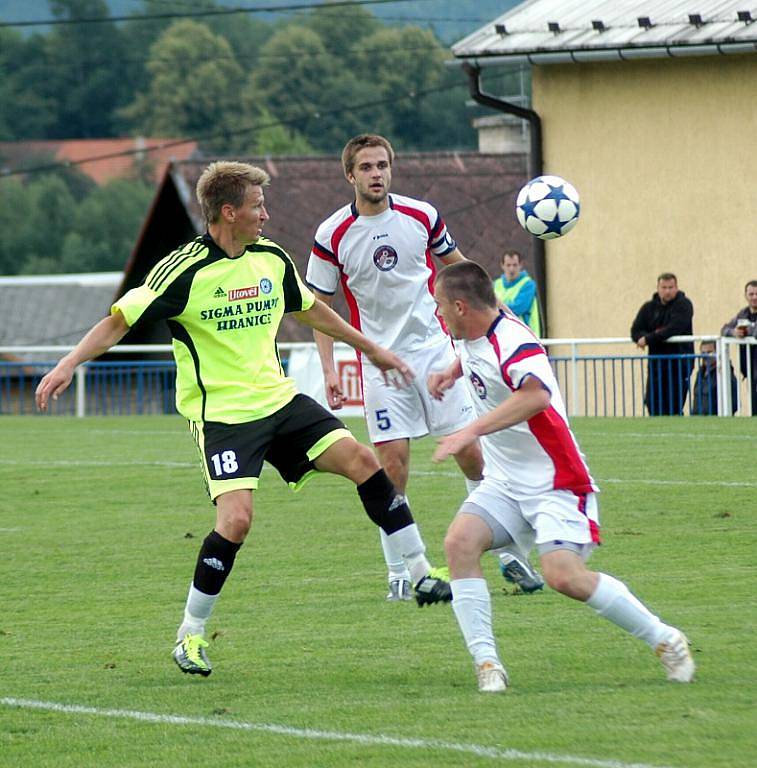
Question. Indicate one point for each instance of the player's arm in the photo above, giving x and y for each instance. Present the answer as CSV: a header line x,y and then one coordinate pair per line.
x,y
98,340
438,383
325,345
452,257
531,398
321,317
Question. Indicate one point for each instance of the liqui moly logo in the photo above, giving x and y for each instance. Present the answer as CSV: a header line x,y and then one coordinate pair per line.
x,y
237,294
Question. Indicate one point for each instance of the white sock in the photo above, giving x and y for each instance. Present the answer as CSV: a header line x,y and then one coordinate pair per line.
x,y
471,485
613,600
197,611
408,542
395,565
473,610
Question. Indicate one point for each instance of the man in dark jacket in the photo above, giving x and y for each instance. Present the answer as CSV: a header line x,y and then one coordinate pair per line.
x,y
669,313
743,325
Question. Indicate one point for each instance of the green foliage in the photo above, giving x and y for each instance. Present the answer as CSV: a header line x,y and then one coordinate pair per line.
x,y
193,88
59,233
27,110
82,69
101,522
215,76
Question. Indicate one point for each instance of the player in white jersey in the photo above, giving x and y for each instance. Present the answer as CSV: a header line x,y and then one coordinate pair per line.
x,y
536,489
383,249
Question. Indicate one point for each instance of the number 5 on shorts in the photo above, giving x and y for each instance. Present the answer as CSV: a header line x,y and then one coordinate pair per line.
x,y
382,419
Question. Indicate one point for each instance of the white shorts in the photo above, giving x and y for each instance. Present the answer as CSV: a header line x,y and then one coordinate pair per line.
x,y
394,414
554,516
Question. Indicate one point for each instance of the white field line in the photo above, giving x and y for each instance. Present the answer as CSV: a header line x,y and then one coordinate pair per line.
x,y
365,739
714,483
418,472
94,463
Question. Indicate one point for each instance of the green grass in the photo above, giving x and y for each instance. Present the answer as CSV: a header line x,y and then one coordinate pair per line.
x,y
100,522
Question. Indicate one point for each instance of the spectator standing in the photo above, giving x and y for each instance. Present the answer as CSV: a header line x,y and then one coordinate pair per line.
x,y
516,289
742,325
668,313
704,400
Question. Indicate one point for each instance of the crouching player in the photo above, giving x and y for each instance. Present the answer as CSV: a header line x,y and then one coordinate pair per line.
x,y
536,484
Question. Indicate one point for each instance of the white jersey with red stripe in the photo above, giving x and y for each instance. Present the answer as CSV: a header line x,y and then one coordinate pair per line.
x,y
386,265
535,456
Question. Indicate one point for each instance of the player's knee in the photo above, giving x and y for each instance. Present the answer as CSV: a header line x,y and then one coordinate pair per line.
x,y
566,580
460,546
363,463
235,520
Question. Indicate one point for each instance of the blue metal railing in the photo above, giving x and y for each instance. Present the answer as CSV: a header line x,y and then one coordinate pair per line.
x,y
592,385
110,388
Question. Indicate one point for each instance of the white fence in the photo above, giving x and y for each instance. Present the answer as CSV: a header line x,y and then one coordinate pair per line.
x,y
598,376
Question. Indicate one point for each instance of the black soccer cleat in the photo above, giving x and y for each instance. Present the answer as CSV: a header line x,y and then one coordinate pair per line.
x,y
433,588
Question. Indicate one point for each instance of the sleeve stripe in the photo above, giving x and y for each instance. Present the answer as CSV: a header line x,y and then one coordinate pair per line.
x,y
320,290
521,353
324,253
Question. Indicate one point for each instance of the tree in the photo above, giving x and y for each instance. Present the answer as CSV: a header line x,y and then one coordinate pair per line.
x,y
82,68
26,112
105,227
194,88
14,197
307,88
343,32
408,61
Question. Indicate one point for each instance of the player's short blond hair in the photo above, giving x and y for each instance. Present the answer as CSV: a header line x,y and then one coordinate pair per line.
x,y
225,182
355,144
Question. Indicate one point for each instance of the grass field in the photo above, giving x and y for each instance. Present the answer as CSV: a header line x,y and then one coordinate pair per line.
x,y
100,523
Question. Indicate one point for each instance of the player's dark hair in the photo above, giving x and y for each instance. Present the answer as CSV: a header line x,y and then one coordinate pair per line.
x,y
511,252
355,144
750,284
225,182
468,281
667,276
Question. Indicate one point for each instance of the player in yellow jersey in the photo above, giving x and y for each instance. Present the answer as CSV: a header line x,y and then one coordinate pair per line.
x,y
224,295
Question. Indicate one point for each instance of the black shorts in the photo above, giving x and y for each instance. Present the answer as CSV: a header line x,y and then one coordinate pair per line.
x,y
291,439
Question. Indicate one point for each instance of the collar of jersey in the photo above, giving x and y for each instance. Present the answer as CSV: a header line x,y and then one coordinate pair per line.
x,y
493,326
216,249
376,217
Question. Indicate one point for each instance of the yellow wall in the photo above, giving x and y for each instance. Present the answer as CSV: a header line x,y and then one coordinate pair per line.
x,y
664,156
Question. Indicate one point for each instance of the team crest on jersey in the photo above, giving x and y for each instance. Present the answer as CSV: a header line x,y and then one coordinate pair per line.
x,y
385,258
266,286
478,385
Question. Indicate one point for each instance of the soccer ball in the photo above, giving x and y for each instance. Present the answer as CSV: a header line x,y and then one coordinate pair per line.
x,y
547,207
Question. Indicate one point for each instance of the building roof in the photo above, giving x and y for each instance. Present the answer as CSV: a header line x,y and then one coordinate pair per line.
x,y
72,304
555,31
475,193
119,156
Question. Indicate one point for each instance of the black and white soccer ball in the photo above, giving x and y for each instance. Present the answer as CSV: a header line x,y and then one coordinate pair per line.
x,y
548,207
